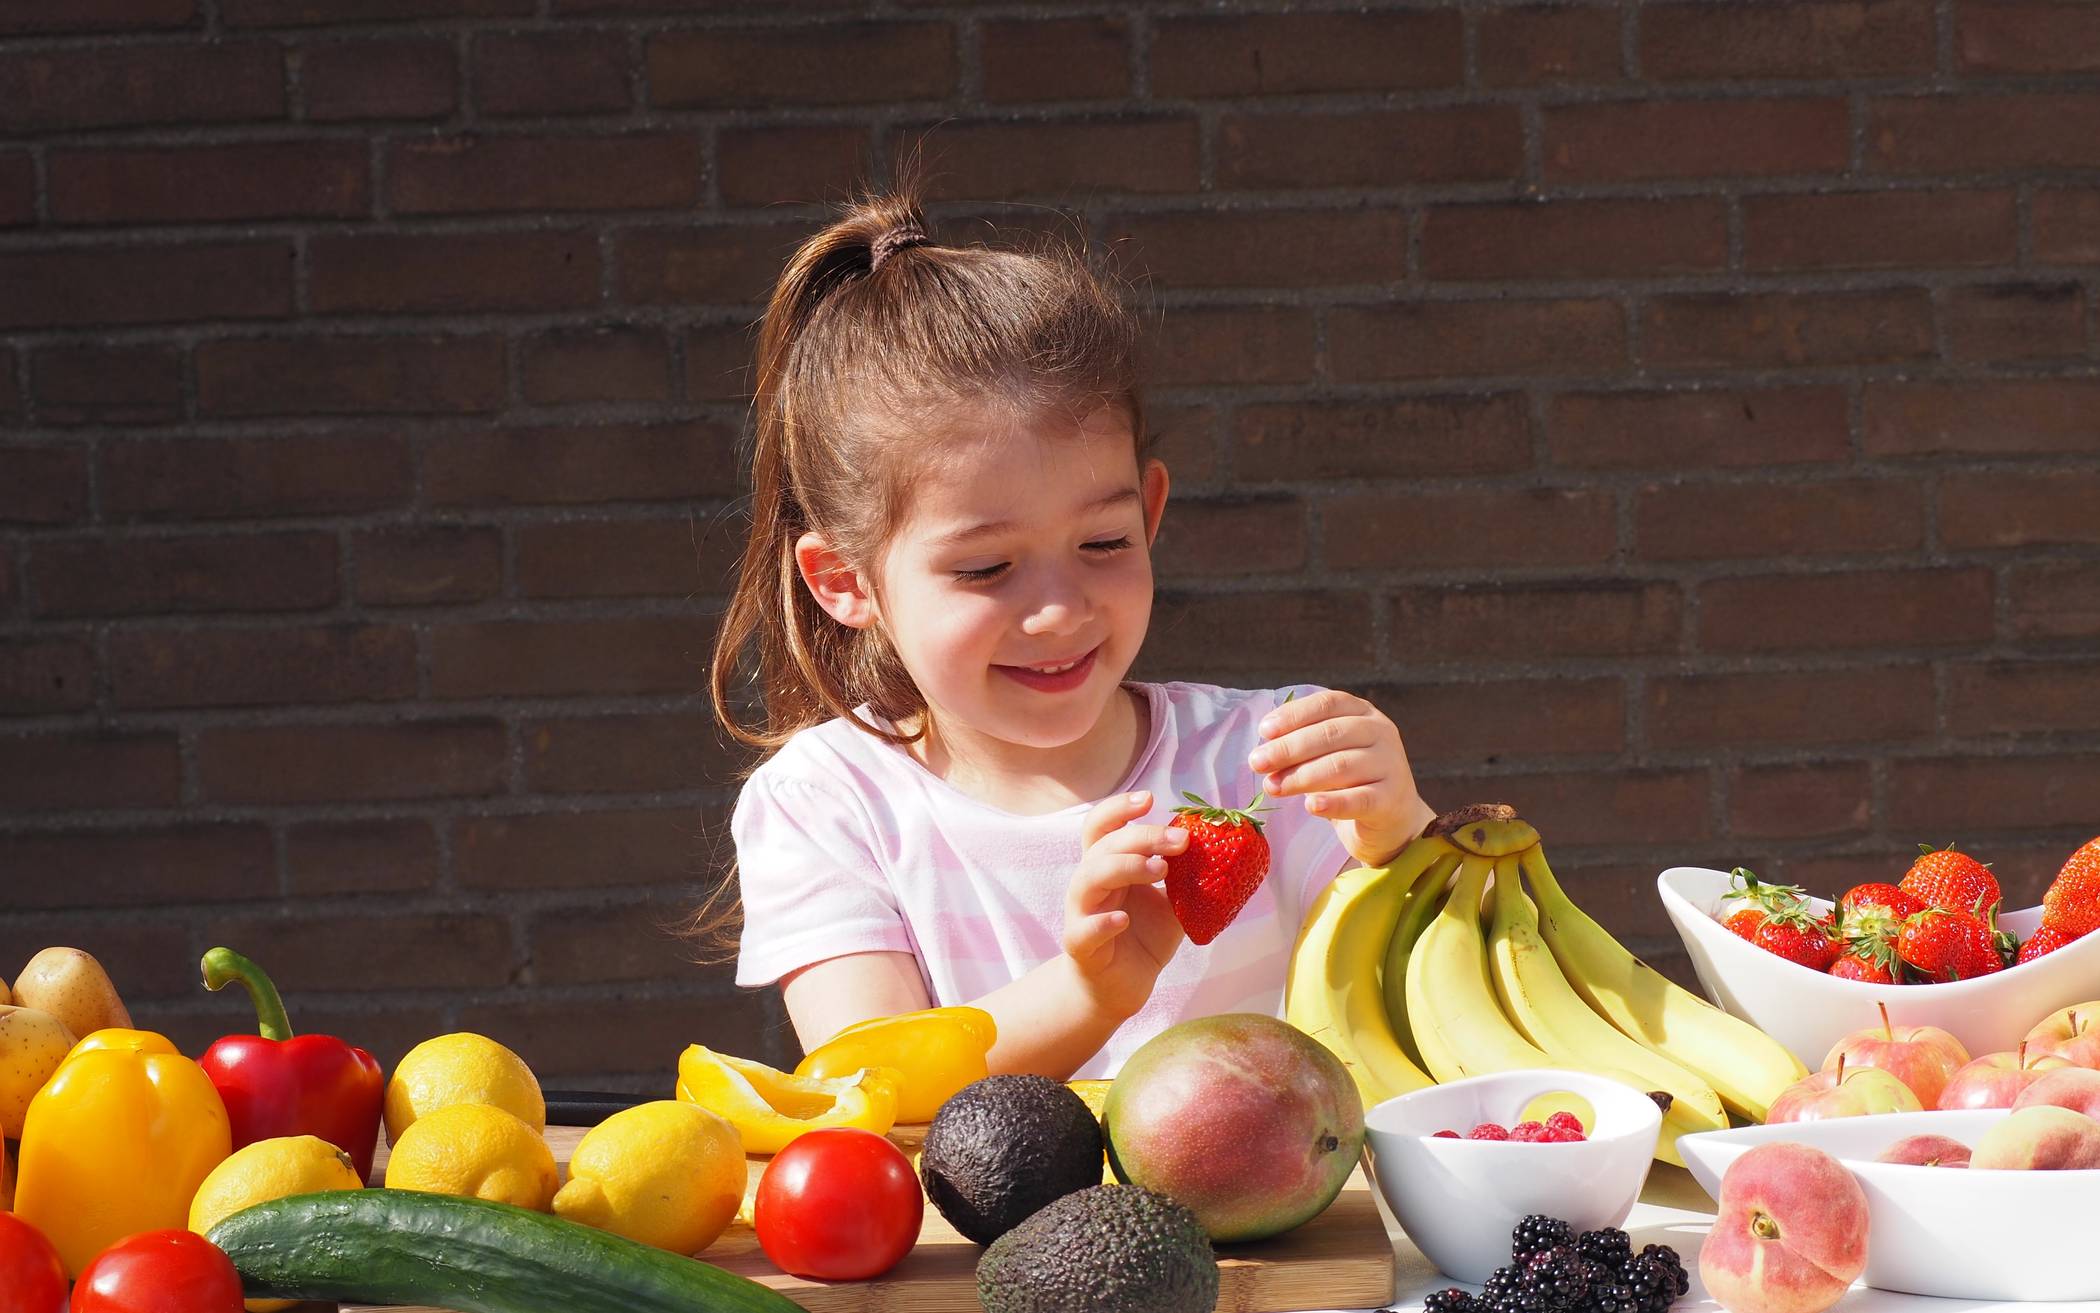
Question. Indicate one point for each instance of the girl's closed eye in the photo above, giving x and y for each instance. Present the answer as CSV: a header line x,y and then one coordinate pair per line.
x,y
1103,547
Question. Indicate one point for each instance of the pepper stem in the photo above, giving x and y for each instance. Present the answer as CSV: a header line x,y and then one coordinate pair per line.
x,y
223,967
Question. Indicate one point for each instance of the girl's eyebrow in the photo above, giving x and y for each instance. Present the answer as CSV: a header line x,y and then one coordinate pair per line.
x,y
957,537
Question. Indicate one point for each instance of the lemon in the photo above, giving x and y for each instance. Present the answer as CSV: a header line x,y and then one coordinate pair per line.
x,y
476,1150
667,1173
270,1169
461,1068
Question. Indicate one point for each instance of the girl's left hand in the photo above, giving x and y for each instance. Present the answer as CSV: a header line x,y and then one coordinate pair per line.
x,y
1345,756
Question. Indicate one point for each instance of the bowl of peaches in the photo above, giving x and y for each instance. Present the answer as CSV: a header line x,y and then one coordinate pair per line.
x,y
1932,947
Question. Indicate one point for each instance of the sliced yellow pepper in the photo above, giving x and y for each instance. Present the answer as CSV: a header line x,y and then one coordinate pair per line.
x,y
938,1051
771,1107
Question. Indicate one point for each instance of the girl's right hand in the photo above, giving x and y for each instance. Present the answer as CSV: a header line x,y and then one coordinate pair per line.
x,y
1120,929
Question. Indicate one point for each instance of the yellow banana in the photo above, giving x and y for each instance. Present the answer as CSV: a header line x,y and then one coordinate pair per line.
x,y
1459,1028
1423,903
1744,1066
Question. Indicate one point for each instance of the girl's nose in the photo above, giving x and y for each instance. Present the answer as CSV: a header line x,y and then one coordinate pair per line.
x,y
1061,608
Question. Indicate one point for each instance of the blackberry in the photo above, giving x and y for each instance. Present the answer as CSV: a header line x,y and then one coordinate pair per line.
x,y
1668,1258
1654,1283
1500,1294
1536,1234
1609,1246
1556,1280
1453,1300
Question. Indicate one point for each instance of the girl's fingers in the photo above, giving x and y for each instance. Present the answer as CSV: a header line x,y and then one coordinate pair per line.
x,y
1088,935
1341,770
1323,705
1110,877
1344,804
1145,839
1109,815
1321,739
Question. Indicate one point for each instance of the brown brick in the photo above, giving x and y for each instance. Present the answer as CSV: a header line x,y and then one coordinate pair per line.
x,y
570,1040
1621,896
1468,623
157,85
1390,148
840,63
1962,795
90,771
418,565
2019,510
106,384
544,74
210,478
390,856
483,175
73,287
1003,161
1186,438
1721,329
1827,38
435,950
1806,707
11,396
731,264
17,189
1405,529
2054,600
2015,321
677,557
1230,345
552,658
168,576
1269,631
43,485
1598,807
1262,248
1948,134
1721,521
1851,609
353,763
379,80
40,675
587,945
1817,800
1499,721
143,959
1714,427
2016,37
393,273
2010,697
628,754
790,164
1544,45
30,17
1636,140
635,462
1057,59
1278,54
1981,417
1374,439
1231,537
312,13
2067,225
611,363
261,667
350,376
101,868
718,362
565,850
1436,338
1879,230
1575,239
211,184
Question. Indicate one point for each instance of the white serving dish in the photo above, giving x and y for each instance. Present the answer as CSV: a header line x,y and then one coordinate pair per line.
x,y
1950,1232
1459,1199
1810,1012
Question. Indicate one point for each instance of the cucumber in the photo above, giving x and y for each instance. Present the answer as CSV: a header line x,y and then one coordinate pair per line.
x,y
407,1247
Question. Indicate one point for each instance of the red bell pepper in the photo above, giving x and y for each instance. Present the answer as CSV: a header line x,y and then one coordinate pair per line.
x,y
274,1083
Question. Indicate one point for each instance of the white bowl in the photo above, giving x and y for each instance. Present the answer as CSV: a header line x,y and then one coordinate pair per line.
x,y
1951,1232
1458,1200
1810,1012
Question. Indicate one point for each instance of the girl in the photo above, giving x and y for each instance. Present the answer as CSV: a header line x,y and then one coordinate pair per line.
x,y
948,575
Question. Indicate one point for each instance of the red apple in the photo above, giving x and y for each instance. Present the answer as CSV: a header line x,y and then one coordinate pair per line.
x,y
1996,1079
1926,1151
2041,1138
2071,1033
1922,1057
1790,1235
2076,1088
1842,1093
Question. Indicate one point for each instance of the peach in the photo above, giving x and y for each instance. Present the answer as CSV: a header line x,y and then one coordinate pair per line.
x,y
2043,1138
1995,1080
1922,1057
1842,1093
2069,1033
1926,1151
2076,1088
1790,1235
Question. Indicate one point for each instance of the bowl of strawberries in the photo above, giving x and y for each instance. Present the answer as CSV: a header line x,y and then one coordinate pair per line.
x,y
1934,947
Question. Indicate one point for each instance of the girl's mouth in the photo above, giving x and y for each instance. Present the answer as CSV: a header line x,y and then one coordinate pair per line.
x,y
1054,677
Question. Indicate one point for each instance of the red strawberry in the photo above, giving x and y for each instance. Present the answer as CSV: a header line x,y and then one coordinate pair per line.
x,y
1956,881
1870,948
2072,904
1209,881
1891,900
1799,936
1942,945
2045,940
1745,921
1854,966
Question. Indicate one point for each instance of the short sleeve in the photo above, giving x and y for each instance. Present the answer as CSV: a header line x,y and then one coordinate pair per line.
x,y
811,885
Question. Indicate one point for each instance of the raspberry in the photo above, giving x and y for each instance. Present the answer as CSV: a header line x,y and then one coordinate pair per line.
x,y
1528,1133
1488,1131
1565,1121
1561,1135
1445,1135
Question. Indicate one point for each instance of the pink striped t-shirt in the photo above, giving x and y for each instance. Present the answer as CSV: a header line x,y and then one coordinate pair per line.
x,y
847,844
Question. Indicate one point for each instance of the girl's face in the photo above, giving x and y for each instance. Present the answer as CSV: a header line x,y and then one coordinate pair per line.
x,y
1019,590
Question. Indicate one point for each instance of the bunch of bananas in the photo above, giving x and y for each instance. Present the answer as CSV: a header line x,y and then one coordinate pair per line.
x,y
1440,965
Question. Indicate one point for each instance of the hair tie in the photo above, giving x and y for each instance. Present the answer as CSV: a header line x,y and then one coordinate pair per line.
x,y
896,239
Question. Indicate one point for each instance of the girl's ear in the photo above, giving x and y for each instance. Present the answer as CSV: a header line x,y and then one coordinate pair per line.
x,y
839,588
1153,492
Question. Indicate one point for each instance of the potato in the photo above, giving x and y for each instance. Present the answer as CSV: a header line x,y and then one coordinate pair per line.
x,y
71,985
5,997
32,1044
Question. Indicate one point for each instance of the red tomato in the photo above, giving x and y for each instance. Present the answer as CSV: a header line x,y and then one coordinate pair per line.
x,y
159,1272
32,1278
840,1204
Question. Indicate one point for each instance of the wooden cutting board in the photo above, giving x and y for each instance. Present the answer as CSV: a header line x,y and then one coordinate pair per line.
x,y
1342,1259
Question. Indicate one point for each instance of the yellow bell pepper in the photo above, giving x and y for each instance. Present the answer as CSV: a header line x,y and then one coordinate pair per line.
x,y
116,1143
770,1107
116,1037
939,1051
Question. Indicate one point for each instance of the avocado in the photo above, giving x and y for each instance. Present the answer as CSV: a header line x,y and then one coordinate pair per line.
x,y
1104,1249
1002,1147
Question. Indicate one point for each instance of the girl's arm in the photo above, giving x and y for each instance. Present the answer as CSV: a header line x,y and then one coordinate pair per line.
x,y
825,997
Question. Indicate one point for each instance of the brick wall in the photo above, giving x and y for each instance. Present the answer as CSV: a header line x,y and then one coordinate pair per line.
x,y
1683,417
